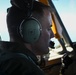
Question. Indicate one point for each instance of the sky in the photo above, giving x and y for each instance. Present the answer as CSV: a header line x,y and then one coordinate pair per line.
x,y
4,4
67,11
65,8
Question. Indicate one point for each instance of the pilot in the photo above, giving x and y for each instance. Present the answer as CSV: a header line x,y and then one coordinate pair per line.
x,y
30,34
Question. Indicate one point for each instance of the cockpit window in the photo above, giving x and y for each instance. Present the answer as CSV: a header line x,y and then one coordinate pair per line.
x,y
65,8
67,12
3,11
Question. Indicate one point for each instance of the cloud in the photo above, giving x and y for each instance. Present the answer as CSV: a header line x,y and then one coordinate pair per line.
x,y
69,21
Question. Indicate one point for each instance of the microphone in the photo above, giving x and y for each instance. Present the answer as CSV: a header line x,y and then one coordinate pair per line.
x,y
51,44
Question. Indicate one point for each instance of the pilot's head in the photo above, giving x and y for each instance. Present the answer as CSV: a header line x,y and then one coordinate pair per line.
x,y
34,31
